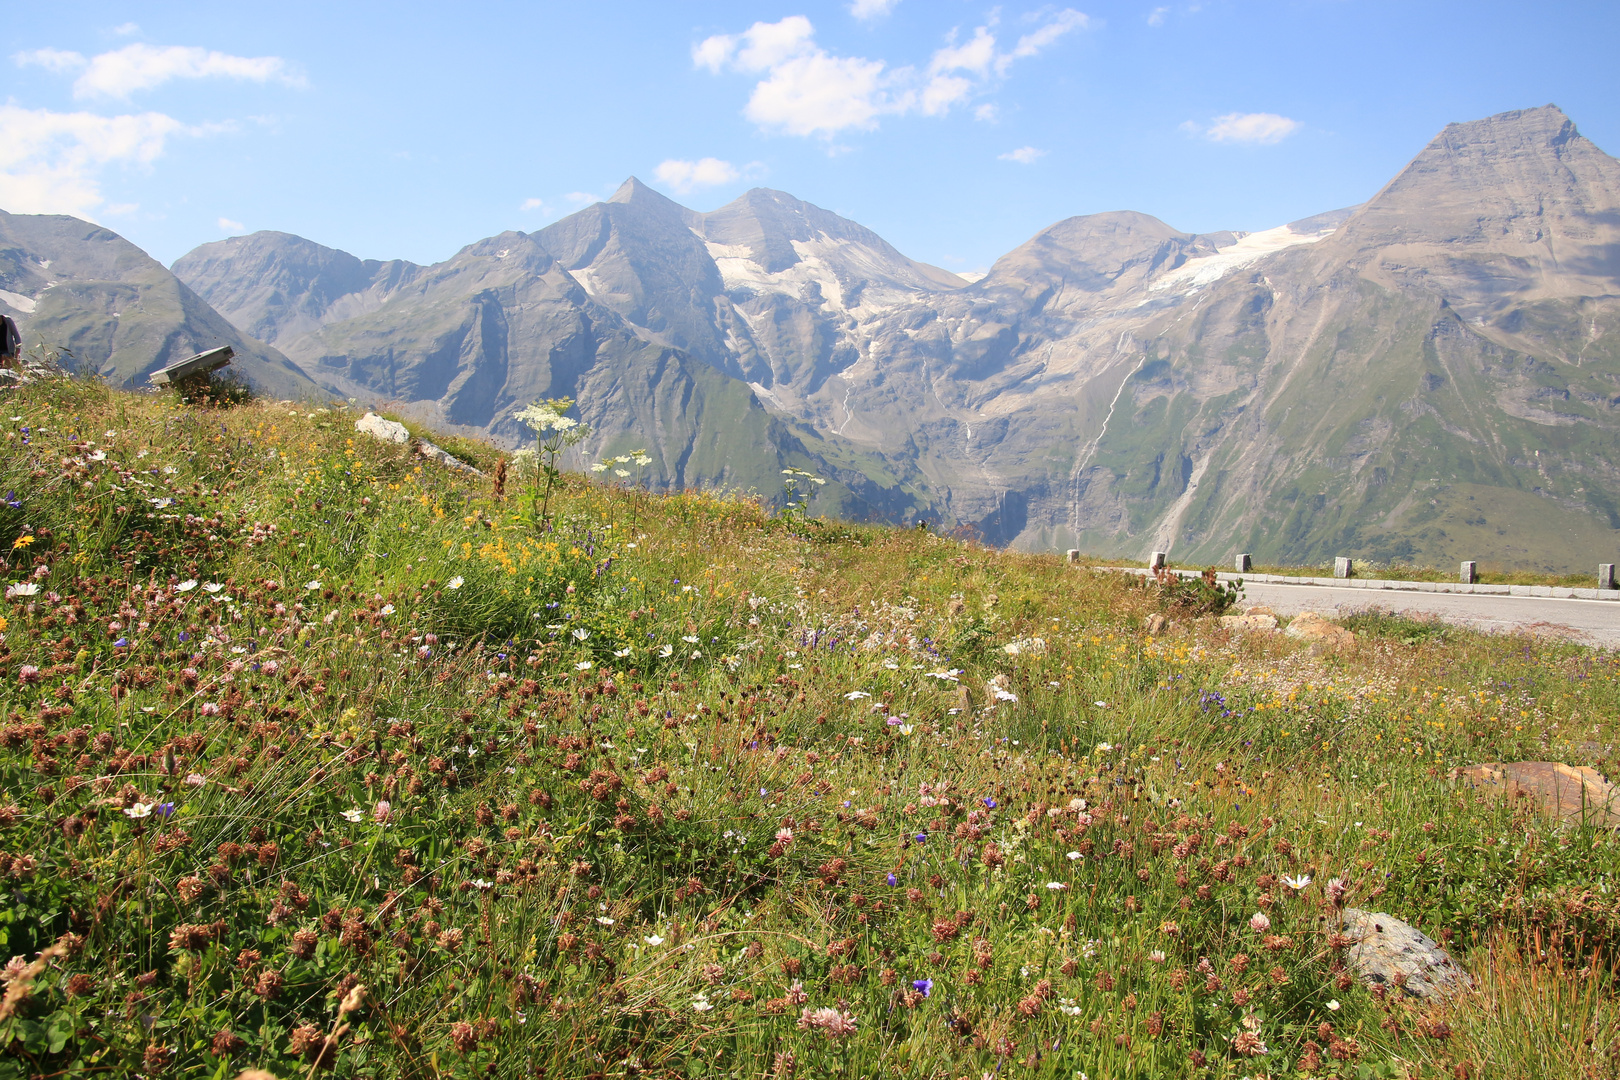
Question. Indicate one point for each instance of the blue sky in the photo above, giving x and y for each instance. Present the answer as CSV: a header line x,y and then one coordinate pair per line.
x,y
956,130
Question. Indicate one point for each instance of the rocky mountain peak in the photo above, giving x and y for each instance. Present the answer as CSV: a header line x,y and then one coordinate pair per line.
x,y
1097,252
635,194
1523,190
774,230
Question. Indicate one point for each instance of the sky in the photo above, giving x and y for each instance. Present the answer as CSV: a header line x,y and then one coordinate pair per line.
x,y
955,130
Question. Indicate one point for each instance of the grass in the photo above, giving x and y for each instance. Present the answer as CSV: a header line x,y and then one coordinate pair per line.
x,y
667,786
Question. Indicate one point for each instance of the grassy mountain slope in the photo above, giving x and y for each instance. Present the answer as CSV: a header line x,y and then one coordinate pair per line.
x,y
319,757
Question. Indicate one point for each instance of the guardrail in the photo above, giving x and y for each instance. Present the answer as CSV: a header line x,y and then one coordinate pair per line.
x,y
1556,592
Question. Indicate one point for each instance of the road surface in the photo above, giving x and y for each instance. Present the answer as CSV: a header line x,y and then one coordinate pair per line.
x,y
1590,622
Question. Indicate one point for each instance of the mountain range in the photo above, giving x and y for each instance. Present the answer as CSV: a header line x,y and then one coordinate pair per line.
x,y
1430,376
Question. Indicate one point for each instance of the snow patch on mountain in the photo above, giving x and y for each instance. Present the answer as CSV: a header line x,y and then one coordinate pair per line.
x,y
1194,274
18,301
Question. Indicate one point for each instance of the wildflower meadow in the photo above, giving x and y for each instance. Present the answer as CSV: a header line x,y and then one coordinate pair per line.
x,y
321,758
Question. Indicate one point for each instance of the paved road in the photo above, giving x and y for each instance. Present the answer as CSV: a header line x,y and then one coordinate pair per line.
x,y
1592,622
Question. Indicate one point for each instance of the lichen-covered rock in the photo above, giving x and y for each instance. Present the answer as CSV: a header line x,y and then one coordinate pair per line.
x,y
1392,953
1033,645
386,430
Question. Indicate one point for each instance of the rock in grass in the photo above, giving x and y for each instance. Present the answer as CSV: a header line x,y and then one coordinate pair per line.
x,y
386,430
1322,635
1262,623
1395,954
444,457
1568,793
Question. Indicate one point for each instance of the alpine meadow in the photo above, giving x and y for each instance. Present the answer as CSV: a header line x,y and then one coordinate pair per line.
x,y
686,634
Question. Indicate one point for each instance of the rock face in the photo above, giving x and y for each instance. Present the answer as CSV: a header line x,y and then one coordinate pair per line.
x,y
1398,956
116,311
1568,793
1433,375
623,307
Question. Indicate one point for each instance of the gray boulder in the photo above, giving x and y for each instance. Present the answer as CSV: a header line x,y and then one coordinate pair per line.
x,y
1395,954
386,430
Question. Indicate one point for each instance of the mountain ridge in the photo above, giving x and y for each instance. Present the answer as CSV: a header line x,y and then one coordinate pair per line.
x,y
1360,382
112,309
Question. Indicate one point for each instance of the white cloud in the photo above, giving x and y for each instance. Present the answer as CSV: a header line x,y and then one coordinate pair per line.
x,y
976,56
126,29
714,52
50,162
986,112
230,226
121,72
59,61
582,198
1261,128
533,204
1156,16
806,90
872,9
1024,155
1032,43
683,176
821,94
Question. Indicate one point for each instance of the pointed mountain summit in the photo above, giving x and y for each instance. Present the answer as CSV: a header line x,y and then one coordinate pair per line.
x,y
1515,205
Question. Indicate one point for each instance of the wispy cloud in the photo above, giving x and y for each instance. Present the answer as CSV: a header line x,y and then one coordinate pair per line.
x,y
1259,128
50,162
1156,16
1024,155
532,204
583,198
1032,43
872,9
230,226
684,176
53,162
805,90
127,29
122,72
